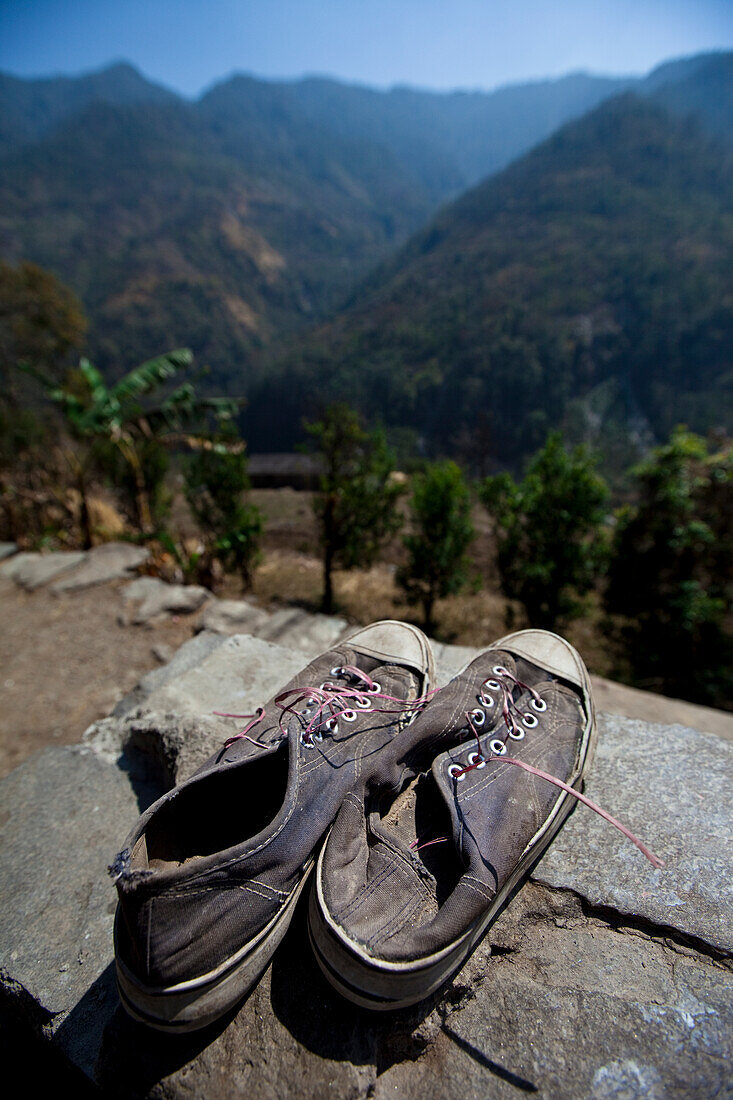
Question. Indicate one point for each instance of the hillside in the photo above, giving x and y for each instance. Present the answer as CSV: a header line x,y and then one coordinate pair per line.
x,y
231,223
587,285
227,223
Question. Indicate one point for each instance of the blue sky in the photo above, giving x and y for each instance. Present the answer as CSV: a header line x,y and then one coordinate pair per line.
x,y
188,44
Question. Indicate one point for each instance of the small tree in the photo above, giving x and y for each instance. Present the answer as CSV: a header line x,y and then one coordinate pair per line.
x,y
671,574
551,548
442,531
123,415
215,485
356,505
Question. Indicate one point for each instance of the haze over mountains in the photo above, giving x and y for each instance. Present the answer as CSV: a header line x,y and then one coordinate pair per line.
x,y
590,281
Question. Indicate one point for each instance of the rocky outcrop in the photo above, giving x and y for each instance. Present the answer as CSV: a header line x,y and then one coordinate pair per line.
x,y
151,598
603,978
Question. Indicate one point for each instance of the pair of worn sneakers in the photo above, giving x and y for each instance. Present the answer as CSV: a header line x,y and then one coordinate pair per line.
x,y
437,803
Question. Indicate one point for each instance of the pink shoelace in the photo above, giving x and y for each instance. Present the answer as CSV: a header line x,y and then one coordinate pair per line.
x,y
330,703
509,712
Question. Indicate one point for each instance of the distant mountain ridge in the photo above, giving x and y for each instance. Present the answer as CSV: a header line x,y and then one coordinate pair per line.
x,y
589,285
232,222
29,109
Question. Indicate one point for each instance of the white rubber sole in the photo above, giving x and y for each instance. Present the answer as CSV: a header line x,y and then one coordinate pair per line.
x,y
385,986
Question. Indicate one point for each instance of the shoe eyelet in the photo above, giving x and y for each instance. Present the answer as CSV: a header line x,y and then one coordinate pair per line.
x,y
539,705
529,721
516,734
476,760
478,717
337,671
498,747
327,686
493,685
306,740
363,704
499,670
332,725
486,700
348,715
455,771
375,688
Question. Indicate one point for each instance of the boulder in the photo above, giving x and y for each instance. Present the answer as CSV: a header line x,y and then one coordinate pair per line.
x,y
31,570
602,978
104,563
155,599
233,617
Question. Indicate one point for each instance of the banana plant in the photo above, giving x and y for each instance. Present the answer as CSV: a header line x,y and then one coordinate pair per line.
x,y
126,413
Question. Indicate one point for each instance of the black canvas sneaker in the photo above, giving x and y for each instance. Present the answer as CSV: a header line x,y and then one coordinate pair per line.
x,y
402,894
209,877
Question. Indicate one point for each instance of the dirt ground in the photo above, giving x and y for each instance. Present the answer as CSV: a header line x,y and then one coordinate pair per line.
x,y
65,661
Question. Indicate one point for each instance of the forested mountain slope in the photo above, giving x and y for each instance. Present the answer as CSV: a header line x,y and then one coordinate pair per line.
x,y
590,285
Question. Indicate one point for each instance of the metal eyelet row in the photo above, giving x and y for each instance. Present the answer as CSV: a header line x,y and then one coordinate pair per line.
x,y
498,748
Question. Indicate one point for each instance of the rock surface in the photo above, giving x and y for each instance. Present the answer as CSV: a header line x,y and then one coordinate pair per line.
x,y
602,979
290,627
155,598
31,570
672,787
7,549
233,617
108,562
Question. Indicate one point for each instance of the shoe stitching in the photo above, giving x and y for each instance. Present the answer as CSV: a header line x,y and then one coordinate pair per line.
x,y
355,904
397,922
478,887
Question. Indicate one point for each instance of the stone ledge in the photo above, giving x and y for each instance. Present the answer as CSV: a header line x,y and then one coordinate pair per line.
x,y
527,1009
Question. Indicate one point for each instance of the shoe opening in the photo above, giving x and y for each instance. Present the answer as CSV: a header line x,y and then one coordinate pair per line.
x,y
220,811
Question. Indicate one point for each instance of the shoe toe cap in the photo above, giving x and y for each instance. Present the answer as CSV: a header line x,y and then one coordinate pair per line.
x,y
395,643
548,651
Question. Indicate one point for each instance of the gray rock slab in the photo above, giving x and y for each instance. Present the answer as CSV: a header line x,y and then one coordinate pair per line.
x,y
301,630
557,1004
156,599
233,617
64,813
450,659
236,675
31,570
163,748
672,787
557,1000
187,657
7,549
104,563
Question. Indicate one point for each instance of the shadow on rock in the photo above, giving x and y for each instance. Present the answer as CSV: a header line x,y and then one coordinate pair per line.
x,y
473,1052
328,1025
125,1058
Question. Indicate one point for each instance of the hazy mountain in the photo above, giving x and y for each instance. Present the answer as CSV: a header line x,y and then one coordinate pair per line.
x,y
170,235
698,86
589,284
31,108
231,222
